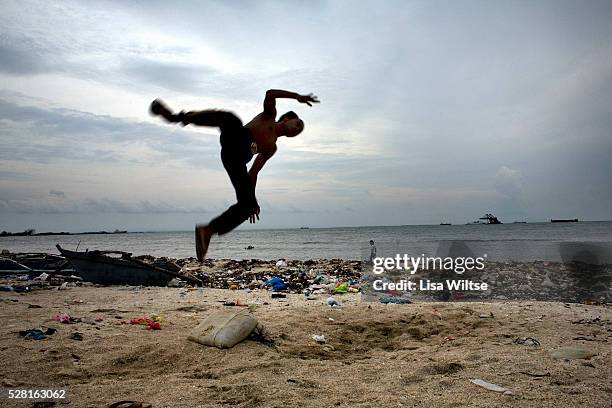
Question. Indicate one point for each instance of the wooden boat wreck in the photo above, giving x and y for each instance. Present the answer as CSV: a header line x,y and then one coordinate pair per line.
x,y
33,264
99,267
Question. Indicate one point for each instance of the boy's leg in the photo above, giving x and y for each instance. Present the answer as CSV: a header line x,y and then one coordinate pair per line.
x,y
224,223
159,108
224,120
216,118
245,194
236,214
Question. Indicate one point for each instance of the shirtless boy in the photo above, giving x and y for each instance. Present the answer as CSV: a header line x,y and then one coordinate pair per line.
x,y
238,146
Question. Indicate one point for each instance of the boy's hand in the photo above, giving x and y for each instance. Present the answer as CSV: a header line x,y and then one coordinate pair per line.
x,y
254,215
307,99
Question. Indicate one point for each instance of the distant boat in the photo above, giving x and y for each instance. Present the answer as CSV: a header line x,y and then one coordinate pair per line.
x,y
520,222
574,220
304,227
490,219
99,267
445,223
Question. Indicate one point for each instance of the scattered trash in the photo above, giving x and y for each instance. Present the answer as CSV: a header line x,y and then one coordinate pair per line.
x,y
527,341
277,284
314,277
572,353
66,318
176,283
63,286
319,338
596,321
34,334
233,286
276,295
486,316
236,302
33,306
342,288
22,289
37,334
225,328
152,323
249,247
587,339
330,319
332,302
394,300
154,326
7,288
491,387
546,374
42,277
76,336
281,263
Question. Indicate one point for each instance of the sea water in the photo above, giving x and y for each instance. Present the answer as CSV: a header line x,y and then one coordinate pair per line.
x,y
518,242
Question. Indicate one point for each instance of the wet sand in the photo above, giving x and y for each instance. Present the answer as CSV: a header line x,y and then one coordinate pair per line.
x,y
376,355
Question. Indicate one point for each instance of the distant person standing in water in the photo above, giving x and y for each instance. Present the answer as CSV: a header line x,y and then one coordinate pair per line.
x,y
238,146
372,251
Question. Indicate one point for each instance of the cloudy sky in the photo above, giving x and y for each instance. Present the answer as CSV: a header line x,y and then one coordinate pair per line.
x,y
431,111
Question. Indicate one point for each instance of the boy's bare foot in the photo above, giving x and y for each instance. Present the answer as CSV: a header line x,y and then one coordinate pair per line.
x,y
203,234
158,108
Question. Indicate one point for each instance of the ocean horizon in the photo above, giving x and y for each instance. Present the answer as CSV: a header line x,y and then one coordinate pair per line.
x,y
516,241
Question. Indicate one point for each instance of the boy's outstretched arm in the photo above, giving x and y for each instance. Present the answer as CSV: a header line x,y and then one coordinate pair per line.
x,y
258,164
273,94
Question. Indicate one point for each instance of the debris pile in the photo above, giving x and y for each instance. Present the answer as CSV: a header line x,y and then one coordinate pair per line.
x,y
308,277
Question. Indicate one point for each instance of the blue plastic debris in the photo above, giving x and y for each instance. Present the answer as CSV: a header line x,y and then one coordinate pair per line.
x,y
277,284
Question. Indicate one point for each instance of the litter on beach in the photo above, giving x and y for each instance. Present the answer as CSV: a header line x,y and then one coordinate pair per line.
x,y
491,387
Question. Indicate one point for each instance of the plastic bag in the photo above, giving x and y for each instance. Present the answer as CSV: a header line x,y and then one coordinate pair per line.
x,y
225,328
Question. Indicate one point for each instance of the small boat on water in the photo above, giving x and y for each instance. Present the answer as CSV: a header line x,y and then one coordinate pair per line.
x,y
99,267
574,220
445,223
490,219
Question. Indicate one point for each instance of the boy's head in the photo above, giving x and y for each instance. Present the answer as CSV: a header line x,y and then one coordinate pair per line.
x,y
292,124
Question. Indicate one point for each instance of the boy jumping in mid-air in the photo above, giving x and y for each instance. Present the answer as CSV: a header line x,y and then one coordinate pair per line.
x,y
238,146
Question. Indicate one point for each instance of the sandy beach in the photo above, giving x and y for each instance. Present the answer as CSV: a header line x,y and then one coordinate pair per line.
x,y
421,354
